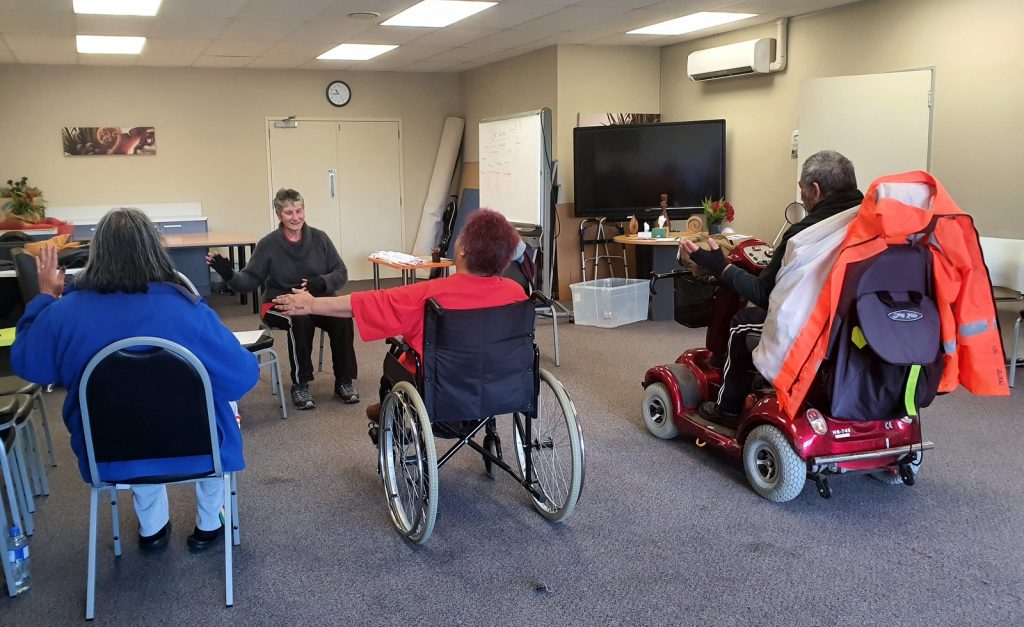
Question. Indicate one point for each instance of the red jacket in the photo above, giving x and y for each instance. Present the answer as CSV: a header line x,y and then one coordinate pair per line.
x,y
972,347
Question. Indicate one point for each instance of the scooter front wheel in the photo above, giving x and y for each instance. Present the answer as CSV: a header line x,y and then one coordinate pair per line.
x,y
773,468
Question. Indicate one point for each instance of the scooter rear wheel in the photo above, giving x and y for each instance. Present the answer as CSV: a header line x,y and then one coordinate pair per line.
x,y
657,412
773,468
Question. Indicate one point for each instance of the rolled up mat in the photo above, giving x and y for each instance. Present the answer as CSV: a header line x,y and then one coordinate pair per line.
x,y
437,193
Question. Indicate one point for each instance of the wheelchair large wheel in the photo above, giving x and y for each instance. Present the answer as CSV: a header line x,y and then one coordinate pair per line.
x,y
408,462
556,450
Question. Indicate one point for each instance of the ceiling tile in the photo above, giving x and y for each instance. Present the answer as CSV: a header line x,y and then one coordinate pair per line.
x,y
508,14
48,57
408,54
221,61
512,38
461,55
449,37
290,10
429,66
180,27
300,50
331,31
37,22
123,25
197,9
272,30
390,35
40,43
275,63
386,8
236,48
317,64
172,52
107,59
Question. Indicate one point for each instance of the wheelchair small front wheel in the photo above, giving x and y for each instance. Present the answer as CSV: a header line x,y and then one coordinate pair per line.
x,y
555,448
408,462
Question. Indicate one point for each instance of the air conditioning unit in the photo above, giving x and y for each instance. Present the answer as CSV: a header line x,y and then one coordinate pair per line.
x,y
739,59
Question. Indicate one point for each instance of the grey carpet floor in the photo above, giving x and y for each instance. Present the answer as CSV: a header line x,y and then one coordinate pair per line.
x,y
665,533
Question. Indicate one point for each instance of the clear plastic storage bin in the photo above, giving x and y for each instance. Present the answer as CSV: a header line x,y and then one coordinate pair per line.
x,y
609,302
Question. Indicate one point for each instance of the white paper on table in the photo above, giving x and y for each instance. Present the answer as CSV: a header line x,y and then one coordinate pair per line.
x,y
667,239
248,337
736,237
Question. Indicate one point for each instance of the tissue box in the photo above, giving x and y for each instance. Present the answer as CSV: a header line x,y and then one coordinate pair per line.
x,y
609,302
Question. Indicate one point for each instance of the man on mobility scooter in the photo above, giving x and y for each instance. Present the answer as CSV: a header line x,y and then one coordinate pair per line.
x,y
875,310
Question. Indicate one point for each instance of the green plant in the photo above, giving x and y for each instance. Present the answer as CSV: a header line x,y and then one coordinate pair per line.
x,y
26,202
715,211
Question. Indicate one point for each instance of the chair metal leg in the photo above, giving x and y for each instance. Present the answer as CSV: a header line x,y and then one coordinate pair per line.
x,y
26,486
115,521
275,374
13,488
229,584
90,576
8,573
1016,344
38,399
42,484
236,534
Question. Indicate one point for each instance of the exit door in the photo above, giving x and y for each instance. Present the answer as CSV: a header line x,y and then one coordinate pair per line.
x,y
349,174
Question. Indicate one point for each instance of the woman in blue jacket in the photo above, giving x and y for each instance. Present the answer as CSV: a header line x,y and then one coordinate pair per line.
x,y
129,288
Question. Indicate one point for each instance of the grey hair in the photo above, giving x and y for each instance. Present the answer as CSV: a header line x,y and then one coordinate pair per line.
x,y
285,196
831,171
125,255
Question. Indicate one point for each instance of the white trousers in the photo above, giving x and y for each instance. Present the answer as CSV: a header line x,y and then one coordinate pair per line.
x,y
153,511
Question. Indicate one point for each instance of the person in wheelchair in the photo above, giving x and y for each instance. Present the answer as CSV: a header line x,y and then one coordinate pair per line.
x,y
483,251
828,186
129,288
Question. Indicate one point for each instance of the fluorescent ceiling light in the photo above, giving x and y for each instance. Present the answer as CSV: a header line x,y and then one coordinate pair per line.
x,y
355,52
691,23
94,44
437,13
117,7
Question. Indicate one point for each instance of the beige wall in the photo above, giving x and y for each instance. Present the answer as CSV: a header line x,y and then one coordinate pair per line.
x,y
975,48
524,83
211,137
601,79
568,80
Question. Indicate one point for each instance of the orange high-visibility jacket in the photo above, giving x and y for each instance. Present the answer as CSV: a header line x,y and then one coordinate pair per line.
x,y
971,345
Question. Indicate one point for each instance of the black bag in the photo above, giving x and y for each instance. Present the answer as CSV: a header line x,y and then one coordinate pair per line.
x,y
884,358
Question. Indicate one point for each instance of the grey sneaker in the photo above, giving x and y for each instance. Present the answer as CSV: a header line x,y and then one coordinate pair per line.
x,y
345,391
301,396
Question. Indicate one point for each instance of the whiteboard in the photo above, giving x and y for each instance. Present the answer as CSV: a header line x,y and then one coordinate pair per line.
x,y
514,166
881,122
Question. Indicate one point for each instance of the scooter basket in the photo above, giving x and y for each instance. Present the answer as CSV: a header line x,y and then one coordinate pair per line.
x,y
692,301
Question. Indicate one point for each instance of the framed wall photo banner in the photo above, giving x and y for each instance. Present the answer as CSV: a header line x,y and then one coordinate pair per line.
x,y
80,141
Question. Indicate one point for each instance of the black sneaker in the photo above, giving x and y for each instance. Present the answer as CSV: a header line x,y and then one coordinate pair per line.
x,y
156,541
345,391
201,540
301,397
711,412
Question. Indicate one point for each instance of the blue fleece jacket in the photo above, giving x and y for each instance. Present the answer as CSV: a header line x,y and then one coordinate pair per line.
x,y
57,338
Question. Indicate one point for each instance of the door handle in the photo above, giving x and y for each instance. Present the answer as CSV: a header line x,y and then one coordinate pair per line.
x,y
331,176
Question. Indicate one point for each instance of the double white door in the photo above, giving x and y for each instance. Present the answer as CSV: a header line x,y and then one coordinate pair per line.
x,y
350,175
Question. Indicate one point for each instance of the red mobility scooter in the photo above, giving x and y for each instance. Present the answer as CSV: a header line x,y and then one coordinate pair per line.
x,y
779,454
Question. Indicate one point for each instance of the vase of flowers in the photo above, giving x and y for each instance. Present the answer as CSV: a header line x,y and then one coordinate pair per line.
x,y
25,203
716,214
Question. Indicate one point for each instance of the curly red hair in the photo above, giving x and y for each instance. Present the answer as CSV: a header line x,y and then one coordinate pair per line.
x,y
488,241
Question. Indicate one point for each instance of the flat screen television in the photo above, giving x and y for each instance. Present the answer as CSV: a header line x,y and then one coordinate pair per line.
x,y
624,170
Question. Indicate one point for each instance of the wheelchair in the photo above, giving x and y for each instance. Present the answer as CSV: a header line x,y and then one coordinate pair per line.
x,y
480,370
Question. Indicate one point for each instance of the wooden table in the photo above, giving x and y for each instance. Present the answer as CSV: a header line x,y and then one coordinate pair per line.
x,y
236,243
408,269
660,256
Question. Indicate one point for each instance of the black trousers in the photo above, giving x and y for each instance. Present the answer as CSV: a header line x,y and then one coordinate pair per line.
x,y
302,332
739,371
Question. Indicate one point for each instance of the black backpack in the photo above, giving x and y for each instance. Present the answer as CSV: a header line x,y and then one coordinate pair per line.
x,y
884,359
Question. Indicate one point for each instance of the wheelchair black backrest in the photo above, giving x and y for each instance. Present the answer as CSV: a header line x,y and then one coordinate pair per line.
x,y
479,362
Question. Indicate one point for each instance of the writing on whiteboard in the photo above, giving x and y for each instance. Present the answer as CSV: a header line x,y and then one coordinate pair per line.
x,y
511,174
